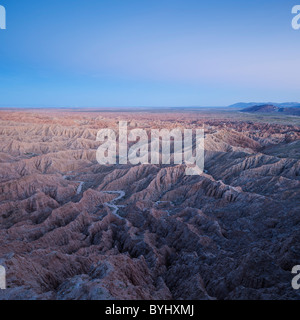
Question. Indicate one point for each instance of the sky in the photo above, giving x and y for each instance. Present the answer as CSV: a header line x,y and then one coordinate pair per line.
x,y
135,53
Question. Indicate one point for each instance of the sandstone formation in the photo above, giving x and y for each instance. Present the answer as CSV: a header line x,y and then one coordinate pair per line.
x,y
73,229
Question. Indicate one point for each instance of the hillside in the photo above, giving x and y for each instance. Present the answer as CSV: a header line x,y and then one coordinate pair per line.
x,y
269,108
244,105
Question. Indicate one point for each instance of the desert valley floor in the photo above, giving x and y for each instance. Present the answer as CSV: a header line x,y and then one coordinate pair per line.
x,y
73,229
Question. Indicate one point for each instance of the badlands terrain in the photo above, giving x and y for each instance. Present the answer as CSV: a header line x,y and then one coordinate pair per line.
x,y
73,229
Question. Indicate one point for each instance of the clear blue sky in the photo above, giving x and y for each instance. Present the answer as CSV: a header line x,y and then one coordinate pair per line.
x,y
148,52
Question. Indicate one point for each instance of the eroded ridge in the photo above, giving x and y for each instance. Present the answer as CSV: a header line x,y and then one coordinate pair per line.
x,y
72,229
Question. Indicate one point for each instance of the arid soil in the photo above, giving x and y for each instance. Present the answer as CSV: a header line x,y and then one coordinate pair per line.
x,y
73,229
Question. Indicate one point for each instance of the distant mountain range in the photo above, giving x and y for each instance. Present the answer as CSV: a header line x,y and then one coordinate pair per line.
x,y
242,105
271,108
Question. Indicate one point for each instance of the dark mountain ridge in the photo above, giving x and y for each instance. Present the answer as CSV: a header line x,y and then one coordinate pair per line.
x,y
269,108
243,105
